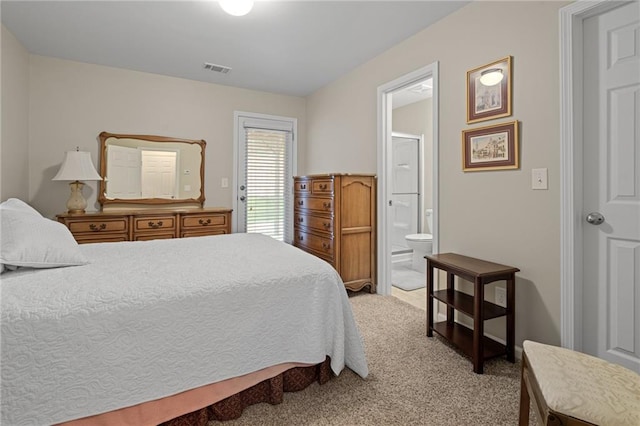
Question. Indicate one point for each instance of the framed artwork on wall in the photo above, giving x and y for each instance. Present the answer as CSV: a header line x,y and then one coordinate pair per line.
x,y
492,147
489,91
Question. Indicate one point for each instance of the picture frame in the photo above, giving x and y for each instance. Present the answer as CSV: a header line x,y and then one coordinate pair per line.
x,y
489,101
492,147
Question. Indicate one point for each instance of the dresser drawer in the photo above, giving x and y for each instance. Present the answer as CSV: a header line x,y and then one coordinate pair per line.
x,y
319,223
148,236
311,203
322,186
100,238
203,220
104,225
203,232
150,223
322,245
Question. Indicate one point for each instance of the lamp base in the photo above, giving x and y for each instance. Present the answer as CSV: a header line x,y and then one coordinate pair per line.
x,y
76,204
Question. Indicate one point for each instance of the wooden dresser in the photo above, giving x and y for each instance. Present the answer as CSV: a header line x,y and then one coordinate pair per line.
x,y
111,226
335,219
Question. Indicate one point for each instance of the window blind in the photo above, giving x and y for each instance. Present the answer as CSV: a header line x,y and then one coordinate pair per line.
x,y
268,179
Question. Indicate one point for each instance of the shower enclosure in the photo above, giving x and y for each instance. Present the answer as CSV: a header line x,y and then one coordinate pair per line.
x,y
406,190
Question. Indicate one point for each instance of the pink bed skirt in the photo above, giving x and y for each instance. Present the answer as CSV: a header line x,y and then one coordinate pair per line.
x,y
223,400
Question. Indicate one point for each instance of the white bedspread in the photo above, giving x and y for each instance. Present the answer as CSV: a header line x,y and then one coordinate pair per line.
x,y
147,320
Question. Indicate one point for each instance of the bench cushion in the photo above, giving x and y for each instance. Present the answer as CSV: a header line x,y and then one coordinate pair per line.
x,y
585,387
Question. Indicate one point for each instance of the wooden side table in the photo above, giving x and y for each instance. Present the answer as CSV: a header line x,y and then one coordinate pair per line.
x,y
472,342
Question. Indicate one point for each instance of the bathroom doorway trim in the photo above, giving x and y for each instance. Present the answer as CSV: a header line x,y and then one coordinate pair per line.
x,y
384,167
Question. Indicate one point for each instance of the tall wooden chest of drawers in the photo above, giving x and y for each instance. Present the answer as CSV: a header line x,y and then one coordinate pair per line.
x,y
335,219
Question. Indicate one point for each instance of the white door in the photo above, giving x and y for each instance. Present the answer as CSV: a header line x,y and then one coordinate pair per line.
x,y
159,174
611,186
123,169
265,166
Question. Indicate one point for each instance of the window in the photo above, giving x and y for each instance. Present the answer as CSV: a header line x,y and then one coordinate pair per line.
x,y
265,176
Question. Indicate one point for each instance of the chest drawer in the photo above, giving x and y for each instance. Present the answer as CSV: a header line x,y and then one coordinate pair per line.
x,y
323,245
82,226
302,186
319,223
322,186
312,203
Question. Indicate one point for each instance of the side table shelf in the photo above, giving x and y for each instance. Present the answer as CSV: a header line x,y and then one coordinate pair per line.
x,y
472,342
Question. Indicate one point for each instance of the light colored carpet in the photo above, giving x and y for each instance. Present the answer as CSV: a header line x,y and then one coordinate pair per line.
x,y
413,380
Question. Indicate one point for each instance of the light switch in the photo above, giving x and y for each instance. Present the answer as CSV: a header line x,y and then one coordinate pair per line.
x,y
224,183
539,179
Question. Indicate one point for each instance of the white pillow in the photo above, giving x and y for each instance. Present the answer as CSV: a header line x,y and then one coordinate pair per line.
x,y
19,205
33,241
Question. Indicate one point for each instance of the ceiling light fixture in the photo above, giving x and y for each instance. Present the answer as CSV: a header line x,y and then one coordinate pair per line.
x,y
236,7
491,77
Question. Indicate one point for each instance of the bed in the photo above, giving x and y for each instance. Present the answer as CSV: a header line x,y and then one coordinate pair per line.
x,y
134,324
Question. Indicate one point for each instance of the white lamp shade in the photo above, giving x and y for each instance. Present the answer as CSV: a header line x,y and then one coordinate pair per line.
x,y
77,165
236,7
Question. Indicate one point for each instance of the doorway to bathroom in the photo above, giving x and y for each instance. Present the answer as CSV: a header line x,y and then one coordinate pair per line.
x,y
407,203
411,203
408,183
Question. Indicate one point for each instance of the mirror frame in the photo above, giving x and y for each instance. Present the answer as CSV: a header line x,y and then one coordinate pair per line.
x,y
153,201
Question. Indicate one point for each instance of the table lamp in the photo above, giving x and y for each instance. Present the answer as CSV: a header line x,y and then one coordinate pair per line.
x,y
77,166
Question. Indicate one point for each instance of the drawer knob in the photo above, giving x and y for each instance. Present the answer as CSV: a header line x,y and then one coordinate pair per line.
x,y
327,225
303,186
155,225
204,222
300,202
300,220
326,246
326,205
323,186
98,228
300,238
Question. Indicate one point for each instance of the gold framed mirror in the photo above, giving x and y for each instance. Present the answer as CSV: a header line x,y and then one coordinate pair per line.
x,y
146,169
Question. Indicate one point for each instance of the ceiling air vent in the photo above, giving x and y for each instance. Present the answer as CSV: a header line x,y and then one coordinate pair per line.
x,y
216,68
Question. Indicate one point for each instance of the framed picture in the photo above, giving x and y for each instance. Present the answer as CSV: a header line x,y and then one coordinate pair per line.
x,y
489,91
490,148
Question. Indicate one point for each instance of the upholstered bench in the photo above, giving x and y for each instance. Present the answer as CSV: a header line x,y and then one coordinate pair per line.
x,y
572,388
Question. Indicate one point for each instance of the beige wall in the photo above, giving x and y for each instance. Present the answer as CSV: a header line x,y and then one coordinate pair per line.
x,y
491,215
14,148
72,102
417,119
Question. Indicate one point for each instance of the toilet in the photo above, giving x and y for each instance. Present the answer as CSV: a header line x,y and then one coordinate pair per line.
x,y
421,244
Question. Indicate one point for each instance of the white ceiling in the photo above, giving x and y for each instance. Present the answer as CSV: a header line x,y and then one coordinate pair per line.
x,y
288,47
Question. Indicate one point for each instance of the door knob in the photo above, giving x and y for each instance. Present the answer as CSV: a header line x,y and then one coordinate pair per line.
x,y
595,218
